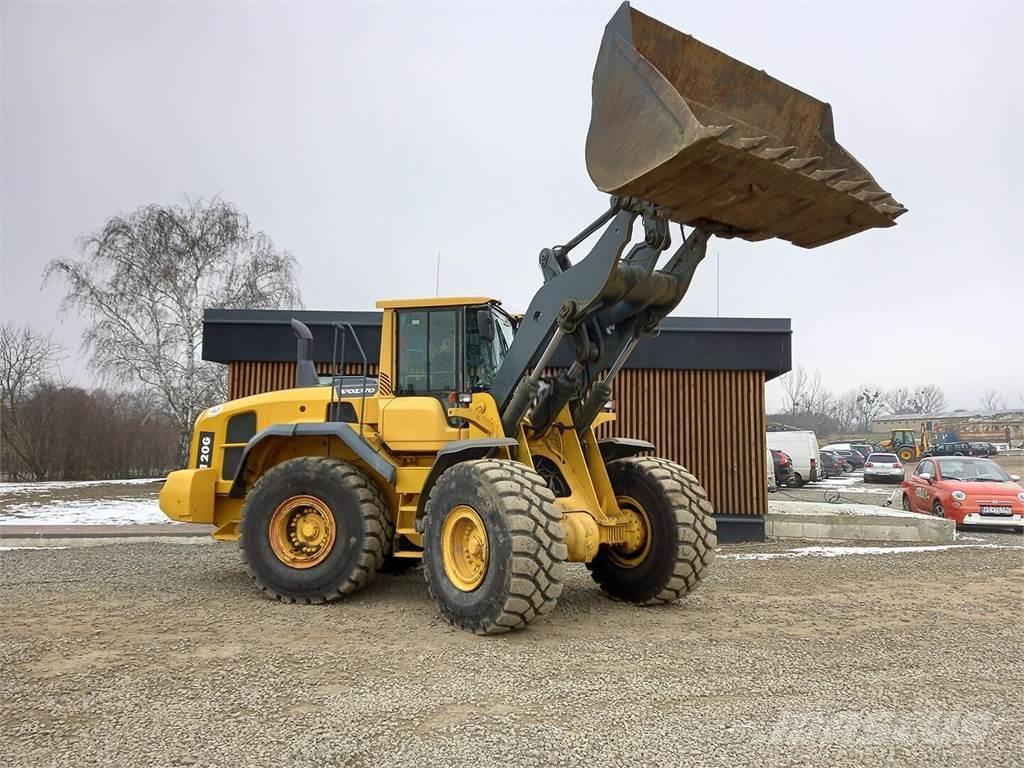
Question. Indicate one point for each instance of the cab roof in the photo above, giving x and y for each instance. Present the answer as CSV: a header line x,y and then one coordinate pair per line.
x,y
443,301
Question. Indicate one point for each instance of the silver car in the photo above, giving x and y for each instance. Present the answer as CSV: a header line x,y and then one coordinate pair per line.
x,y
883,468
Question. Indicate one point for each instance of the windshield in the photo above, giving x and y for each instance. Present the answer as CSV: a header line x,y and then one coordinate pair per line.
x,y
981,470
884,458
483,357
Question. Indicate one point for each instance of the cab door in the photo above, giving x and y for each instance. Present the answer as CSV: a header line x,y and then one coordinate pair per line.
x,y
427,372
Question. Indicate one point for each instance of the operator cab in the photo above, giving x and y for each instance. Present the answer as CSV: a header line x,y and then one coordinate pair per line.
x,y
449,345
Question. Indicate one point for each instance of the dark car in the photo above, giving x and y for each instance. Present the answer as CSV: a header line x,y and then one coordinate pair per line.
x,y
950,449
844,465
984,449
784,472
856,458
831,465
863,449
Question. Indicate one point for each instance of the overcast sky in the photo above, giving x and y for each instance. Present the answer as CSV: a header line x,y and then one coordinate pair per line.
x,y
368,138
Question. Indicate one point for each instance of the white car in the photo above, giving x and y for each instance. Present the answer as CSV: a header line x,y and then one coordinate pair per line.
x,y
883,468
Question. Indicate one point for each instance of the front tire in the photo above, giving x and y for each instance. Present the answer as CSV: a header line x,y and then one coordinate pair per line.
x,y
937,509
493,546
906,503
313,530
680,533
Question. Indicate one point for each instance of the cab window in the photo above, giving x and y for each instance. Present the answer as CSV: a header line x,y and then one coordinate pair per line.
x,y
426,351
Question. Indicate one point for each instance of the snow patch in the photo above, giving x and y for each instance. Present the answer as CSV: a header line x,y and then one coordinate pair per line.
x,y
119,511
7,489
842,551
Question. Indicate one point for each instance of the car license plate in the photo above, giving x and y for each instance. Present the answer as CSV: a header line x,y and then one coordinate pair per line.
x,y
1003,511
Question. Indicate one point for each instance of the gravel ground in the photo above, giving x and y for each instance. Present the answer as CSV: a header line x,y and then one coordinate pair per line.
x,y
163,654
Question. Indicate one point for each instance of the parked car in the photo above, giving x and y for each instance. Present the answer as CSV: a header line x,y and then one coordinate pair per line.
x,y
864,450
983,449
831,465
770,471
856,458
949,449
784,472
967,490
844,465
883,468
802,448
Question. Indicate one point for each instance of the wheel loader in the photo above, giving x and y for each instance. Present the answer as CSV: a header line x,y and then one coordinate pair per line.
x,y
467,453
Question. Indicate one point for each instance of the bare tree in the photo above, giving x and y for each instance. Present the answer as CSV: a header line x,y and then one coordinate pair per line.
x,y
992,401
900,400
28,360
929,399
142,284
868,403
794,384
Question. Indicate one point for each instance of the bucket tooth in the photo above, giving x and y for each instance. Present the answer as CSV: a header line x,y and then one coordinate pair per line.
x,y
891,210
850,186
828,175
871,195
799,163
752,142
775,153
717,131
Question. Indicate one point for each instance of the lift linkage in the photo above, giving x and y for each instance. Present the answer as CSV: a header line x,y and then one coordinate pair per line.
x,y
603,305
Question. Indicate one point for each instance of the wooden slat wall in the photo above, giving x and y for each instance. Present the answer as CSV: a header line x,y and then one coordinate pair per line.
x,y
712,422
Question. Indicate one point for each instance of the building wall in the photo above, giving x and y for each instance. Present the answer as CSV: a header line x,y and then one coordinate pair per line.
x,y
712,422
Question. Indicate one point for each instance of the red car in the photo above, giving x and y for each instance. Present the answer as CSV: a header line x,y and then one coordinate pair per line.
x,y
966,489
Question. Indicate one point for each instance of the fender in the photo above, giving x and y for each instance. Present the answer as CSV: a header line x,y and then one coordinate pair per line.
x,y
454,453
613,448
342,431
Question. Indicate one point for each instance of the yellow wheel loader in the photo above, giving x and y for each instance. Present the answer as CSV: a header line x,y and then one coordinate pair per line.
x,y
465,452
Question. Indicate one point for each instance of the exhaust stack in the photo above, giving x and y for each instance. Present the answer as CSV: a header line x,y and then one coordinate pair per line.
x,y
721,145
305,370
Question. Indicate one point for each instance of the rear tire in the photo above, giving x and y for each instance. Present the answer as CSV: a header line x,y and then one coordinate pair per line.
x,y
798,481
681,534
905,454
344,514
493,546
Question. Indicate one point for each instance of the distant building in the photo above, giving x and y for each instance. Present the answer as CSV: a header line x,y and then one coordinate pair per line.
x,y
986,426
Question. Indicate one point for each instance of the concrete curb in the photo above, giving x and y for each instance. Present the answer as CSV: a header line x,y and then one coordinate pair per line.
x,y
162,531
64,536
854,522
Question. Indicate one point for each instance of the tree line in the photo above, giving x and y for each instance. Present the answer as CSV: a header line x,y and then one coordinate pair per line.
x,y
140,284
807,404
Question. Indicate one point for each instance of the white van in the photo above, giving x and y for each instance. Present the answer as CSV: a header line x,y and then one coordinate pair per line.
x,y
772,486
802,447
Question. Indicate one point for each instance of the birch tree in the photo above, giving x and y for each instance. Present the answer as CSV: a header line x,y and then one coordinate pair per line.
x,y
142,283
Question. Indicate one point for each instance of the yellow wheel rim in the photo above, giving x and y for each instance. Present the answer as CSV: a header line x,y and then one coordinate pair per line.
x,y
302,531
464,548
637,546
906,454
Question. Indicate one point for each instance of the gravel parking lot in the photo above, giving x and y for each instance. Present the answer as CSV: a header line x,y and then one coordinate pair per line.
x,y
163,654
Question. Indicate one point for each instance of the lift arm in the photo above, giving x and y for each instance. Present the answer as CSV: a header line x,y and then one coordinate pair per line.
x,y
603,305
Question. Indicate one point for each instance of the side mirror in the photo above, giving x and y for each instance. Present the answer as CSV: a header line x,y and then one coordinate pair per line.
x,y
926,476
1015,478
485,324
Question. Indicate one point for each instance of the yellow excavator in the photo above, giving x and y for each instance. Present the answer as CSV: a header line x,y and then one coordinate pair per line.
x,y
907,444
464,453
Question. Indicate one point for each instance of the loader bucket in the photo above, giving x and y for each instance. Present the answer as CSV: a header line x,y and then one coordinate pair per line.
x,y
719,144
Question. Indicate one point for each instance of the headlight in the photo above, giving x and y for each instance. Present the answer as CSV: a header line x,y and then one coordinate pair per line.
x,y
1021,495
959,495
